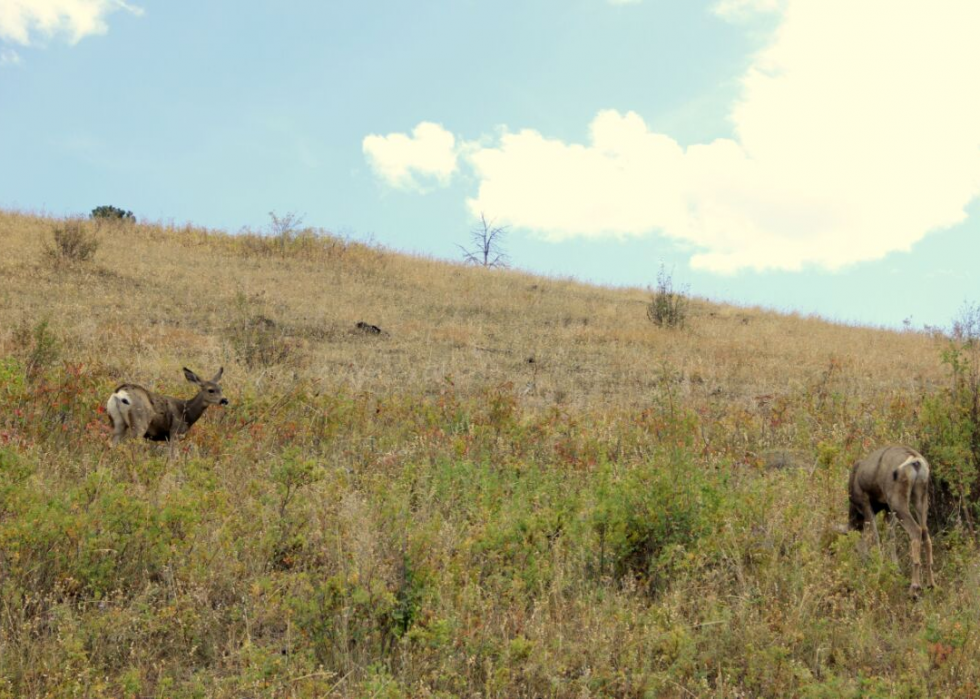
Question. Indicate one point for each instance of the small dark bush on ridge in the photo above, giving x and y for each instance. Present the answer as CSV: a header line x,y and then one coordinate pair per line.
x,y
112,213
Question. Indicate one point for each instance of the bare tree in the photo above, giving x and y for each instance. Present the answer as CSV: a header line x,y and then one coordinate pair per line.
x,y
284,227
487,241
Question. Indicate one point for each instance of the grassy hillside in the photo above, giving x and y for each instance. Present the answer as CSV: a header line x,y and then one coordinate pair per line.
x,y
520,488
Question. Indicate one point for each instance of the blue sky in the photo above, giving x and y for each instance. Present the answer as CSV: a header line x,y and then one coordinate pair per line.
x,y
813,156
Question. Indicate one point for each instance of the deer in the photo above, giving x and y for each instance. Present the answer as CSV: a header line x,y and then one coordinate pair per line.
x,y
137,412
891,478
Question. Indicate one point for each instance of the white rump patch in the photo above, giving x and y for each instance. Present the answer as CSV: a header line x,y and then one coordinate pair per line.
x,y
115,409
915,474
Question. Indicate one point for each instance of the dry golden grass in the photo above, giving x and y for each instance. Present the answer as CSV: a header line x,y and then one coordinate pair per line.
x,y
156,298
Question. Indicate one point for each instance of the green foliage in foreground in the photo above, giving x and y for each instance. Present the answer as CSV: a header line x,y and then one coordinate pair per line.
x,y
314,542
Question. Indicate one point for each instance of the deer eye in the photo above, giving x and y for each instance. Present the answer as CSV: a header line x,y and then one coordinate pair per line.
x,y
210,390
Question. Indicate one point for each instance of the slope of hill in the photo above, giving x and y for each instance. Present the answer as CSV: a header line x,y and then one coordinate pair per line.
x,y
519,487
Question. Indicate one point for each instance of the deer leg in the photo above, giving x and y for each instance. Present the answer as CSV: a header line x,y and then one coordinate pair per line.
x,y
138,424
869,517
922,508
927,547
122,428
915,541
174,441
118,426
861,516
890,519
117,419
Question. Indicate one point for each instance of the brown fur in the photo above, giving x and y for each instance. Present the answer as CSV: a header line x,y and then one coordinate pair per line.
x,y
137,412
892,478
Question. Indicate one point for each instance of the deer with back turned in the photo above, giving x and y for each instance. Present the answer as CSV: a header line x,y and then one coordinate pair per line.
x,y
137,412
893,478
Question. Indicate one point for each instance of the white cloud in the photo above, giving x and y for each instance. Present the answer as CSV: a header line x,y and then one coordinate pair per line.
x,y
22,21
857,133
413,162
9,57
626,178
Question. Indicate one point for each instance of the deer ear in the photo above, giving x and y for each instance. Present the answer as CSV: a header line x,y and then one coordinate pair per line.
x,y
217,377
191,376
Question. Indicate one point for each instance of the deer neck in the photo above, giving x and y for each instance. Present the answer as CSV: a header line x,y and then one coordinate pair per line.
x,y
193,409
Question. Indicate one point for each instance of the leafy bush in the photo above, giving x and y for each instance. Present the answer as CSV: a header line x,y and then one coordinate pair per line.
x,y
290,474
97,540
112,213
72,243
649,516
668,308
951,423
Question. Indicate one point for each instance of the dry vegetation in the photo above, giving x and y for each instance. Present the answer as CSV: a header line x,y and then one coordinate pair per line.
x,y
521,487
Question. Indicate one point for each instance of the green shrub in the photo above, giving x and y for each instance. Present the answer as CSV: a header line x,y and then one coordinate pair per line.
x,y
94,541
112,213
12,377
291,474
648,517
950,424
516,544
344,615
668,308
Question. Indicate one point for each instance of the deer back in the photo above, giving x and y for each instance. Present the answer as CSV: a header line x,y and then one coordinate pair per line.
x,y
889,472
